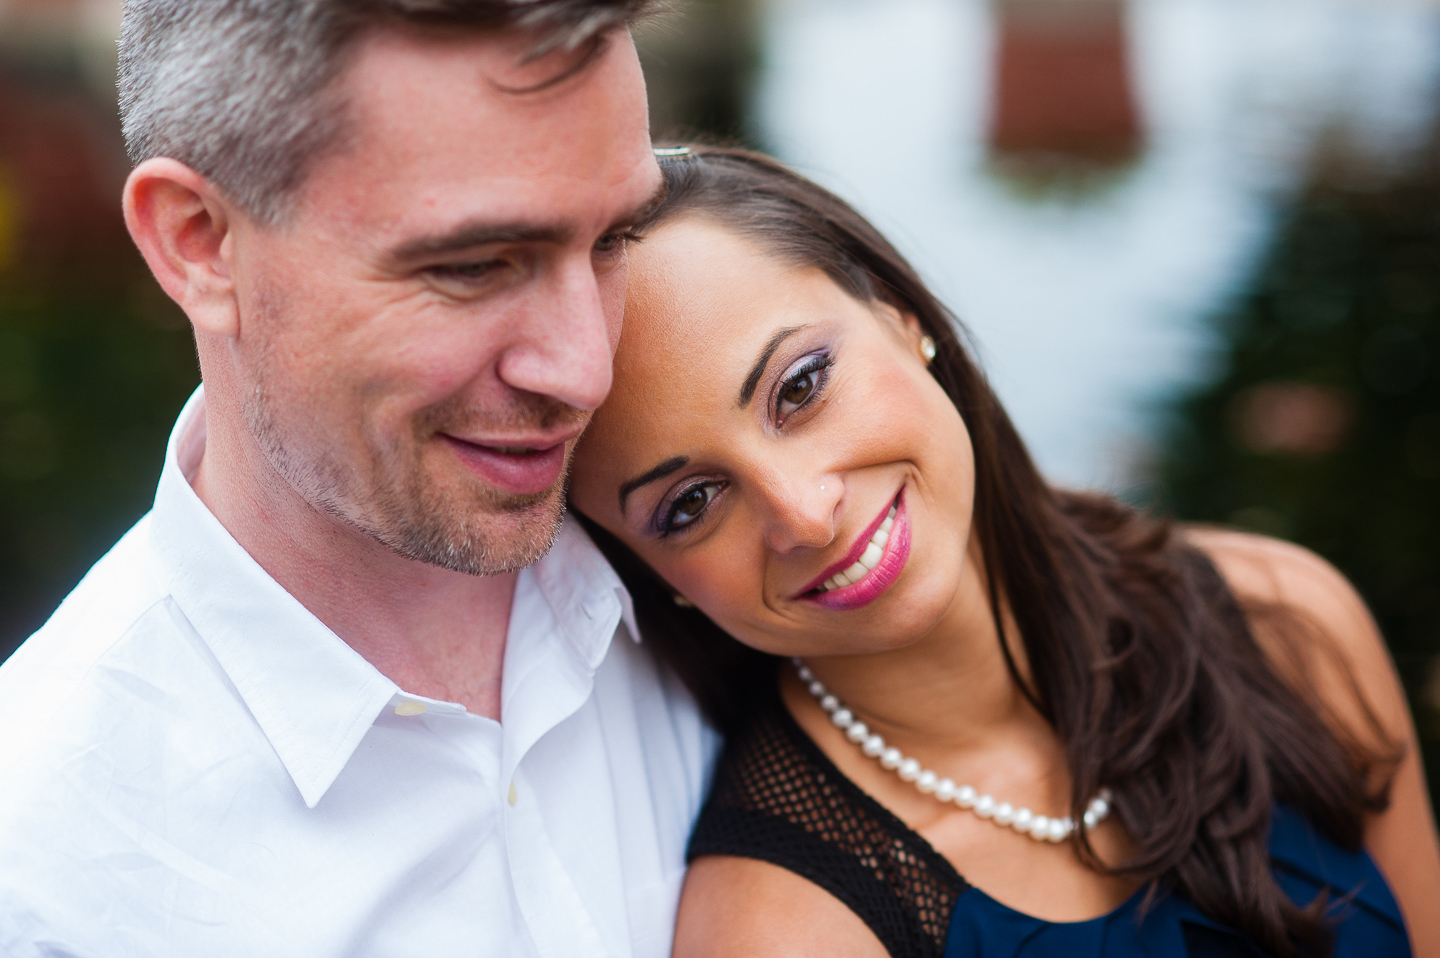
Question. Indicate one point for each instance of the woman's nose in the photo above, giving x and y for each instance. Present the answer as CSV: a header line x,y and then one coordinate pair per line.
x,y
802,511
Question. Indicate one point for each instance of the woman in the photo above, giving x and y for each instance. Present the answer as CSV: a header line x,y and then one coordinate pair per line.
x,y
966,712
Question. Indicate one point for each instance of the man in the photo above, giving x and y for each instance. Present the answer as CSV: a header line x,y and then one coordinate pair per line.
x,y
332,696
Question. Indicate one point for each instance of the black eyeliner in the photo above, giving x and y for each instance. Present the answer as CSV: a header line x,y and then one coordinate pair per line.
x,y
818,365
666,525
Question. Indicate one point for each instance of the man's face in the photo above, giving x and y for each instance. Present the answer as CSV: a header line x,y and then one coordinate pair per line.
x,y
424,338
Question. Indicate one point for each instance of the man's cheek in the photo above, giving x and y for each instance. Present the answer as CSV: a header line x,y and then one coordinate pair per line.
x,y
612,300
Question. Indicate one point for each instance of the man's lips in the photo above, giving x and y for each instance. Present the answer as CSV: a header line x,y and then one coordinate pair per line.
x,y
854,554
515,465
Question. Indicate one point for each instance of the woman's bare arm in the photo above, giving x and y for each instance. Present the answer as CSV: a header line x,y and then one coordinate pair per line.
x,y
735,907
1402,839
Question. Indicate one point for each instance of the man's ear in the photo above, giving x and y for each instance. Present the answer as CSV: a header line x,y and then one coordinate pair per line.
x,y
183,228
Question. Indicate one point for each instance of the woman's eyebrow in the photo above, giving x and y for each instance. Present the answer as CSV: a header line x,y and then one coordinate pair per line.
x,y
747,389
659,472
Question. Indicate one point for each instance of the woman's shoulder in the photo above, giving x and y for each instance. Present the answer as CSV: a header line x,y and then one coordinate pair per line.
x,y
1324,642
744,906
1272,570
745,891
1260,568
1313,625
784,825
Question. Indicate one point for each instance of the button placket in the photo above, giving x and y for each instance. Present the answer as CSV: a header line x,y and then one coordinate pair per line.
x,y
542,885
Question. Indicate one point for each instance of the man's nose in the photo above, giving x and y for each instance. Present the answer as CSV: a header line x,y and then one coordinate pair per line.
x,y
802,504
564,348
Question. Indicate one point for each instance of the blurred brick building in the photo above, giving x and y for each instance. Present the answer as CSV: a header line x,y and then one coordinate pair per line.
x,y
1063,86
61,160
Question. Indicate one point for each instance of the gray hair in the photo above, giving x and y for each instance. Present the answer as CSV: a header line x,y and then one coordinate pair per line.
x,y
238,90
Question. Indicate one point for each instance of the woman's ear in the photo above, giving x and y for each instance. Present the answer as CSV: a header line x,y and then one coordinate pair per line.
x,y
907,327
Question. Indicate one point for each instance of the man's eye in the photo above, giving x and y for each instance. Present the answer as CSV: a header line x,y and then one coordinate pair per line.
x,y
690,504
610,242
464,272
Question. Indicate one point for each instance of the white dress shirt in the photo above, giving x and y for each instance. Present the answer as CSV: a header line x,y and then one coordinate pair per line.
x,y
191,764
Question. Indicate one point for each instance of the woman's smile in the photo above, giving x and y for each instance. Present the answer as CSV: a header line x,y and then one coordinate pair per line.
x,y
870,567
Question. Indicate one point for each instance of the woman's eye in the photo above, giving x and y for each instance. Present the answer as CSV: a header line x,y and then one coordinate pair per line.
x,y
801,387
796,391
688,506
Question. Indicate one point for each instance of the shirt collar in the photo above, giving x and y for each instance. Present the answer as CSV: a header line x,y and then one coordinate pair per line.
x,y
578,583
312,695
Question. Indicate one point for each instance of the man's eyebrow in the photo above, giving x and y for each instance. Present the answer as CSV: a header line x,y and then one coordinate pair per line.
x,y
747,390
475,233
639,218
659,472
478,233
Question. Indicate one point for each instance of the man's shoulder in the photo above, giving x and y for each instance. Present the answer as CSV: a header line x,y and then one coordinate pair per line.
x,y
117,591
113,604
95,710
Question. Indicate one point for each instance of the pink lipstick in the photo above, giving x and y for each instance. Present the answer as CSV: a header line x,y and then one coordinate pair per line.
x,y
870,567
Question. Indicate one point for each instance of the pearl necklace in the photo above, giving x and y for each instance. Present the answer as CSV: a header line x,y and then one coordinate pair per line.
x,y
1022,820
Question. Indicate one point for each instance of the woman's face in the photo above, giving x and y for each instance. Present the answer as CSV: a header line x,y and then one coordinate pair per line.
x,y
767,432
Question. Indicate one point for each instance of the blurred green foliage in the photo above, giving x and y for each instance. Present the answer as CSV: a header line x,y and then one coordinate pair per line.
x,y
95,363
1325,426
700,62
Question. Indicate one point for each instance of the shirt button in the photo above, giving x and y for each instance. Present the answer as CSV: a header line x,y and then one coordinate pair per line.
x,y
513,798
410,708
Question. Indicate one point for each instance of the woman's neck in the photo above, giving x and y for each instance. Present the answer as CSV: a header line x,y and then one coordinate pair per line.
x,y
950,690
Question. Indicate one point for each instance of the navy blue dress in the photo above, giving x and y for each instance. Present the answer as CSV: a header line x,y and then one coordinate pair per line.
x,y
1367,920
778,798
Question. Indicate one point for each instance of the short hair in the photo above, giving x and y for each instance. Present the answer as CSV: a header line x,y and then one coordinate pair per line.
x,y
237,89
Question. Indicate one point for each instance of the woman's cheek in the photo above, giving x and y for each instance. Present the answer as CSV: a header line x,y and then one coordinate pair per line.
x,y
718,583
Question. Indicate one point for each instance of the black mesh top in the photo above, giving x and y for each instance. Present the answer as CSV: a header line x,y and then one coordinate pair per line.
x,y
778,798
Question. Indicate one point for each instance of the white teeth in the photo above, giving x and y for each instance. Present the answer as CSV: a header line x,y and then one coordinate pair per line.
x,y
869,559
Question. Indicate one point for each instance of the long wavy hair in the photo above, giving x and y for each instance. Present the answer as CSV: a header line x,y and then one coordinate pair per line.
x,y
1137,652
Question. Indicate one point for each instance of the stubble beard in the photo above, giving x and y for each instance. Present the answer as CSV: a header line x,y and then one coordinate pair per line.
x,y
388,495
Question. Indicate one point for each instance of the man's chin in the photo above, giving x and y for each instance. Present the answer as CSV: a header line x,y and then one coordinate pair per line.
x,y
491,541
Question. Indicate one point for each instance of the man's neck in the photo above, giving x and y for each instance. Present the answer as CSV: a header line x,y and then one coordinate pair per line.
x,y
433,632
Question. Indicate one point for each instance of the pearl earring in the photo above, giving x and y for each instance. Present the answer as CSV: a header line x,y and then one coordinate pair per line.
x,y
927,349
682,602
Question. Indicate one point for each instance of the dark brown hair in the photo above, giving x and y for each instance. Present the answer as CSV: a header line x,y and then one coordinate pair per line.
x,y
1138,653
